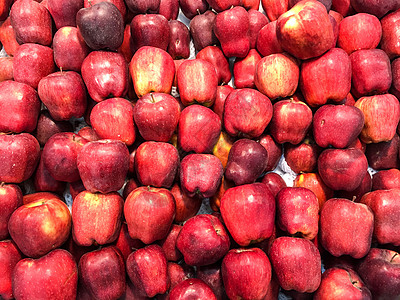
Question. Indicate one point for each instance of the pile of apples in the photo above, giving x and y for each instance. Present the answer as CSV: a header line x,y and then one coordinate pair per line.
x,y
314,82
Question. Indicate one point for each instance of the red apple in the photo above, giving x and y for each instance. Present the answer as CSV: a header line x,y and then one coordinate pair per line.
x,y
64,14
40,226
212,276
168,244
186,207
201,30
386,180
356,194
303,157
53,276
125,243
274,151
274,182
267,41
46,127
178,273
106,212
257,21
9,257
222,5
384,155
10,200
8,38
203,240
354,235
390,34
169,9
192,288
120,4
179,43
44,182
215,56
375,7
192,8
274,8
88,133
6,68
244,70
248,212
219,104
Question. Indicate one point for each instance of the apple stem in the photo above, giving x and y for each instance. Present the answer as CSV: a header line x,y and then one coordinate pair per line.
x,y
198,11
393,257
2,184
152,98
354,198
90,2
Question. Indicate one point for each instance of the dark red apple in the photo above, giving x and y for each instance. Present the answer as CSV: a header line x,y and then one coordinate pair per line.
x,y
384,155
169,9
257,21
274,182
9,257
375,7
212,276
192,8
168,244
356,194
201,30
386,179
143,6
125,243
46,127
219,104
44,182
179,43
216,57
64,14
178,273
274,151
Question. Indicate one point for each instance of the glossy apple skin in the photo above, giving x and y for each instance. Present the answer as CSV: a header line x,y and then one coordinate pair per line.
x,y
150,30
380,271
337,166
257,21
375,7
60,156
252,205
20,153
219,105
192,287
303,157
212,276
297,264
47,127
54,275
231,28
105,74
244,70
32,62
8,38
186,207
376,64
169,9
343,283
390,34
152,70
240,117
274,150
384,155
95,206
102,272
382,114
203,240
274,8
192,8
200,174
277,75
69,49
10,200
64,14
179,43
356,194
156,164
221,5
6,68
147,269
359,31
113,119
168,244
201,30
198,129
239,269
149,213
385,206
297,212
101,26
179,272
215,56
337,125
274,182
9,257
103,165
290,121
31,22
64,95
267,42
247,161
305,31
386,179
355,234
326,78
40,226
43,181
197,81
19,107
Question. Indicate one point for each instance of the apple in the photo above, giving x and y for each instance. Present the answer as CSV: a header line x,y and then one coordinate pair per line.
x,y
343,7
212,276
223,147
382,114
274,8
326,78
246,273
105,75
150,30
337,166
380,272
168,244
198,129
64,14
390,34
201,29
9,257
10,200
40,226
359,31
356,194
297,264
386,179
222,5
8,38
274,182
20,153
257,21
374,7
247,161
169,9
125,48
147,269
19,107
267,42
102,272
43,181
232,30
395,88
247,113
355,233
149,213
32,62
113,119
46,127
290,121
31,22
337,125
215,56
192,288
200,174
185,206
248,212
6,68
120,4
69,49
244,70
178,273
152,70
277,75
143,6
125,243
274,150
103,165
384,155
223,92
303,157
101,26
203,240
54,275
376,64
106,212
192,8
305,31
343,283
179,43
